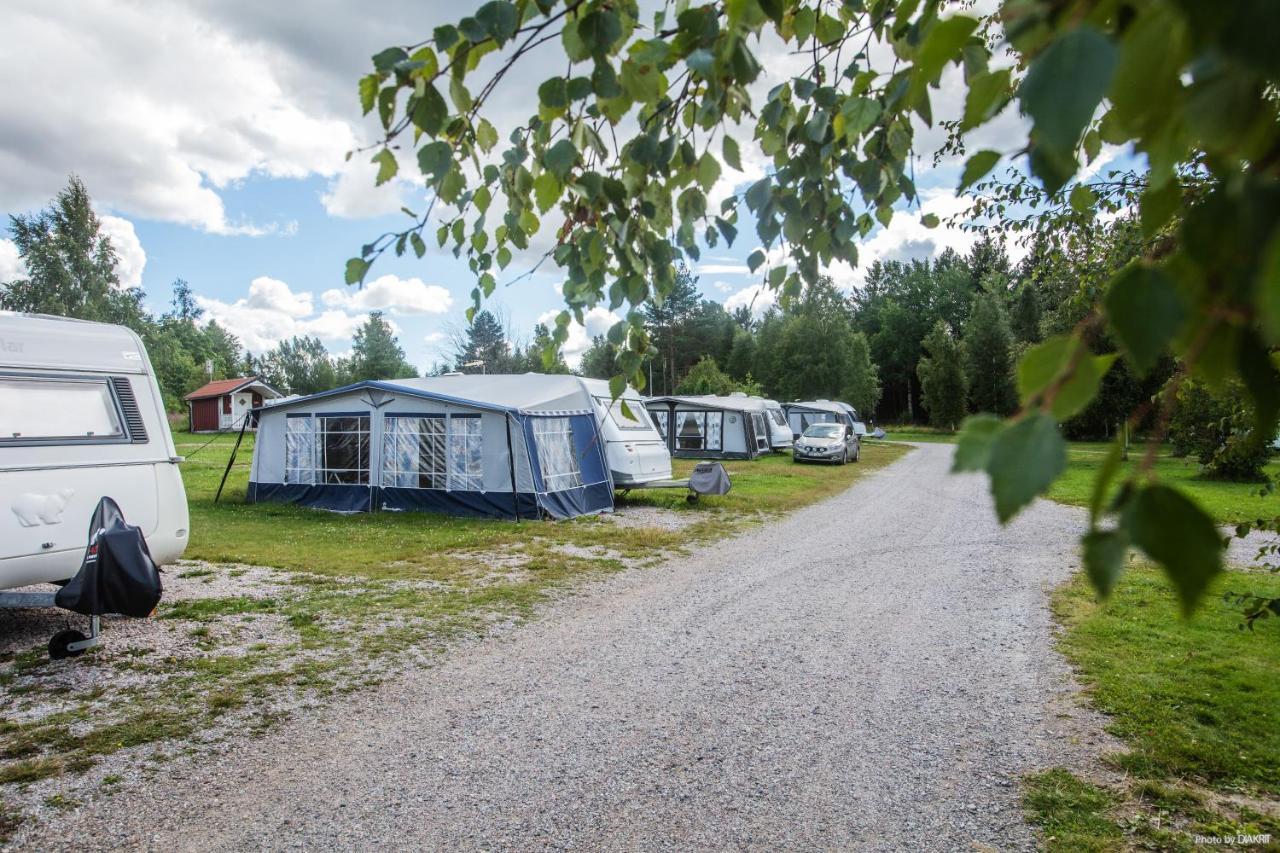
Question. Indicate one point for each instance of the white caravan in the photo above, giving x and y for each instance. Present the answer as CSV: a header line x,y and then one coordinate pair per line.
x,y
635,449
780,437
81,418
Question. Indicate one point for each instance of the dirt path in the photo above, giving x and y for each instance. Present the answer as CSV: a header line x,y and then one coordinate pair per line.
x,y
874,672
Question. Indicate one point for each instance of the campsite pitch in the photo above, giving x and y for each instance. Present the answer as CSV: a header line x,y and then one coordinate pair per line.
x,y
279,611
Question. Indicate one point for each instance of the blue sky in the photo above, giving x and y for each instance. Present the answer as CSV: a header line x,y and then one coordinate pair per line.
x,y
211,134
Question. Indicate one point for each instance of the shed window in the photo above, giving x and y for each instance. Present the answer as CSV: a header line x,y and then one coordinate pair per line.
x,y
699,430
556,456
414,452
466,453
299,450
57,409
343,442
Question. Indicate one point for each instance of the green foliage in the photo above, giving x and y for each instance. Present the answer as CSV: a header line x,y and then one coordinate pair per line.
x,y
862,385
375,353
1191,86
988,358
942,378
1217,428
706,377
298,366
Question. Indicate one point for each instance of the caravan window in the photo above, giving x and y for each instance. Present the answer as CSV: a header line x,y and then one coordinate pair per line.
x,y
343,441
556,456
57,409
466,468
778,417
299,450
414,452
699,430
636,421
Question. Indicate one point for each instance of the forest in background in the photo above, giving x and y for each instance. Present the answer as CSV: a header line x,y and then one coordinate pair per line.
x,y
921,341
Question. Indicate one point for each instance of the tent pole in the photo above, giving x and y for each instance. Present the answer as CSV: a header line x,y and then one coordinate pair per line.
x,y
511,461
244,422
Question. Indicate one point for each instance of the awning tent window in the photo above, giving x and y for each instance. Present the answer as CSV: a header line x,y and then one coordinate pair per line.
x,y
556,456
344,449
466,452
761,431
57,409
299,450
660,419
414,452
697,430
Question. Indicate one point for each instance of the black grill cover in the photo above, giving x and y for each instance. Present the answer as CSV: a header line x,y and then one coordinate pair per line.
x,y
710,478
118,574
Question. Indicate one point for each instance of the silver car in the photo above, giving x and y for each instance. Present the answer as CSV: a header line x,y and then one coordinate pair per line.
x,y
828,443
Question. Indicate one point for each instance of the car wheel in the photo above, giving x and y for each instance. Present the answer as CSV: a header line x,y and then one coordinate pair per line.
x,y
857,452
844,457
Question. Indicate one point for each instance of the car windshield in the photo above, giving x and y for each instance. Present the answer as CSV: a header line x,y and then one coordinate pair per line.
x,y
824,431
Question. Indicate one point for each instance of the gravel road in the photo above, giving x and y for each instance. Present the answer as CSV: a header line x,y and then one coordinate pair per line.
x,y
874,672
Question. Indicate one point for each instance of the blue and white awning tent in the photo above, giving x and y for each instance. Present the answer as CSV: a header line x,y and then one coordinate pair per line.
x,y
502,446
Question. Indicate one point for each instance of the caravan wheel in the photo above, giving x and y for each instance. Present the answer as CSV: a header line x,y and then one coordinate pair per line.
x,y
61,640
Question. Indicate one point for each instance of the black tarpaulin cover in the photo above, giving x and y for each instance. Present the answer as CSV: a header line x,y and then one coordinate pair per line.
x,y
710,478
118,574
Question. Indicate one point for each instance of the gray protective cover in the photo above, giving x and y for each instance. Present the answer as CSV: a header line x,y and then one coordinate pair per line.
x,y
710,478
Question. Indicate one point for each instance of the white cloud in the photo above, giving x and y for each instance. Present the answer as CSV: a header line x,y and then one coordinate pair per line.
x,y
757,297
597,321
353,194
272,312
394,294
131,259
11,266
434,337
156,109
723,269
272,294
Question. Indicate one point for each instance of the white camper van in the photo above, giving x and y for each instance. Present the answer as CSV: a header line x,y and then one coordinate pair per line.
x,y
636,450
81,418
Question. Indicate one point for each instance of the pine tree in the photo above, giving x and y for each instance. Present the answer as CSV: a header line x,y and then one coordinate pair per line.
x,y
598,360
534,355
943,384
376,354
862,385
1024,318
485,341
742,355
988,358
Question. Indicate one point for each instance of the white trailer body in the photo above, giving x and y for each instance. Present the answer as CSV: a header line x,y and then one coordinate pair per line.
x,y
81,418
636,451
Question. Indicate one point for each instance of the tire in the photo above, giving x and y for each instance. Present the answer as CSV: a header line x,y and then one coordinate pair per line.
x,y
844,457
857,452
58,644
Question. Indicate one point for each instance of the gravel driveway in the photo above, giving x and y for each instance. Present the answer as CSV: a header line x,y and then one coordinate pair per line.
x,y
874,672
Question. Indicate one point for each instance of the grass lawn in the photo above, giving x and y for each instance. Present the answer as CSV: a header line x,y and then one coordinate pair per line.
x,y
345,599
1228,503
1197,704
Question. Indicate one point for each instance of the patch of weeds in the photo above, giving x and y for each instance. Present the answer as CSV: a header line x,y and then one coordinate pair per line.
x,y
206,609
31,770
1072,813
111,780
61,802
10,820
197,573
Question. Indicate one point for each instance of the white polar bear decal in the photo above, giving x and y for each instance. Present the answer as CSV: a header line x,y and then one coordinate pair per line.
x,y
33,510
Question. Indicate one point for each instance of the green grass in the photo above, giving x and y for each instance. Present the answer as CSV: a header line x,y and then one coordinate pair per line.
x,y
916,432
1195,701
1228,503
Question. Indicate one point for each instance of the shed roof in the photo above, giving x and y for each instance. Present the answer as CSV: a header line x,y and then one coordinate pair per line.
x,y
220,387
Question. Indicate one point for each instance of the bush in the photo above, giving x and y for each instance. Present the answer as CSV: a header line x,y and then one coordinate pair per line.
x,y
1217,428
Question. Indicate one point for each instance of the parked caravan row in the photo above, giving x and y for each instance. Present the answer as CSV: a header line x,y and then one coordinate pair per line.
x,y
710,427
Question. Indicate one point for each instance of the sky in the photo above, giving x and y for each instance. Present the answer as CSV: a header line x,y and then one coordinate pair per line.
x,y
212,136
